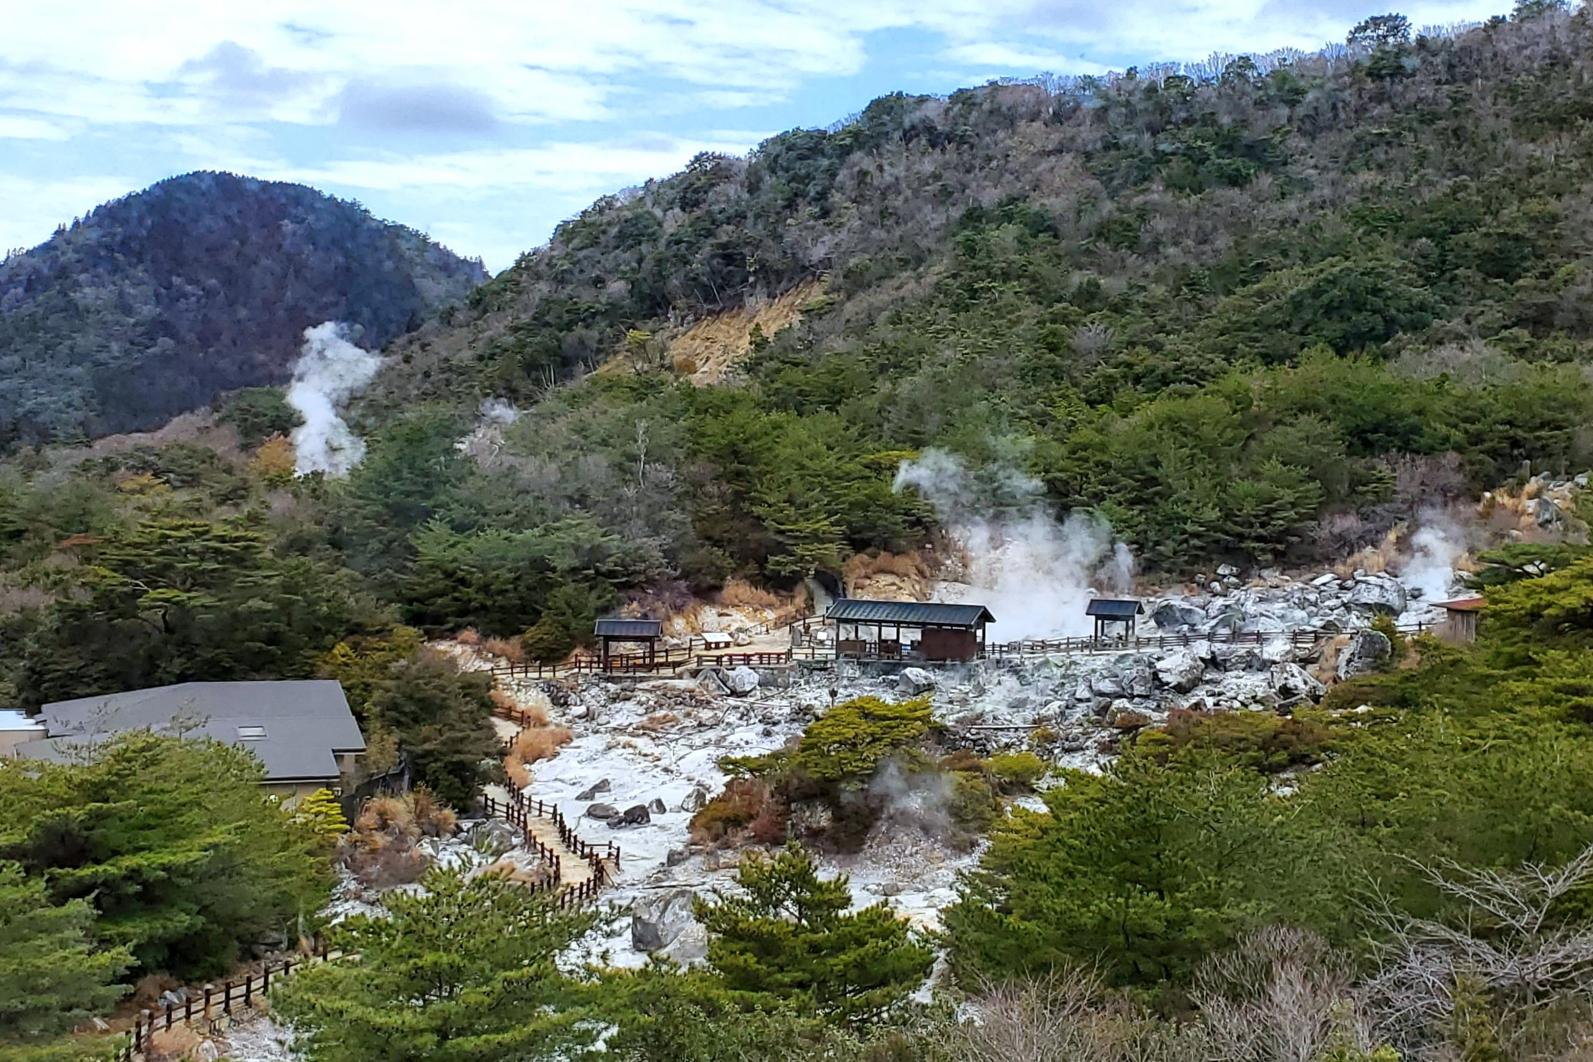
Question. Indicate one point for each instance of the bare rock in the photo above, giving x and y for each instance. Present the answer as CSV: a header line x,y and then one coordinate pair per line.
x,y
914,680
676,856
1292,680
695,799
690,944
1380,593
741,681
1175,616
1367,651
601,811
592,790
635,815
657,920
1180,670
656,806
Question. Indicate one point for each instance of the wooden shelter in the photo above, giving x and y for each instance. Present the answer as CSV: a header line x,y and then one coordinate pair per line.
x,y
1109,612
1460,620
644,632
885,630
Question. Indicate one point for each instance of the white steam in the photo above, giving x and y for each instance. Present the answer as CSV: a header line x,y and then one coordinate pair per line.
x,y
329,372
1033,573
1430,570
484,442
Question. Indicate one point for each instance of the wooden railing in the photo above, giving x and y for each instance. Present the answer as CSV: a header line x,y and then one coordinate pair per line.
x,y
1087,645
629,663
744,659
597,856
210,1002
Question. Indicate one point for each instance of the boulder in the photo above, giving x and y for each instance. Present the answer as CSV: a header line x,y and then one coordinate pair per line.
x,y
1107,684
1175,616
1180,670
601,811
1226,570
1380,593
741,681
1326,579
690,945
676,856
592,790
914,680
695,799
1366,651
656,806
743,637
1278,650
657,920
1292,680
635,815
1547,513
1232,657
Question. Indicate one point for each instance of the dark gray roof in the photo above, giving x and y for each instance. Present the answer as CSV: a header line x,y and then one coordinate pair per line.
x,y
295,727
908,613
1114,607
612,627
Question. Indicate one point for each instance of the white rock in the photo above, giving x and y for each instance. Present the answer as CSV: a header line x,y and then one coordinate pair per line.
x,y
741,681
914,680
657,920
1366,651
1324,580
1180,670
1380,593
1292,680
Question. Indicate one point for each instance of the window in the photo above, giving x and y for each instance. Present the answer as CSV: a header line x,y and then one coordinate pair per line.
x,y
251,733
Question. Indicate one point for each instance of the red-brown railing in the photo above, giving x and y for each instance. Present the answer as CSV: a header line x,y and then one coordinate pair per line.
x,y
211,1002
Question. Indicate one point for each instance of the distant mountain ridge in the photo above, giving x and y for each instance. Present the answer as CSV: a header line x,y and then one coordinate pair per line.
x,y
154,303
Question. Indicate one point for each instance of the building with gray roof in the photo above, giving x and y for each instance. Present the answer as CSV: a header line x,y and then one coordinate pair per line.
x,y
301,730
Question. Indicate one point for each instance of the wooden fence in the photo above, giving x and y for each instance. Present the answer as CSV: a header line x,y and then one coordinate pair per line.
x,y
517,814
210,1003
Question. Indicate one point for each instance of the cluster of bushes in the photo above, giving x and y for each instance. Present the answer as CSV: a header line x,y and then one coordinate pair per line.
x,y
862,760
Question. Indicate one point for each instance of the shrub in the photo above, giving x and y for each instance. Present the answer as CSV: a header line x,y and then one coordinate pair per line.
x,y
1015,771
974,805
1258,740
847,743
743,802
506,648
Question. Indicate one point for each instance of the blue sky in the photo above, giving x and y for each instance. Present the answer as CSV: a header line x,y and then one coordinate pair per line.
x,y
485,123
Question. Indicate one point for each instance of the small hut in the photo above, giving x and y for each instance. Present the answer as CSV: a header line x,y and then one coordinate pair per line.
x,y
1115,617
908,630
644,632
1460,620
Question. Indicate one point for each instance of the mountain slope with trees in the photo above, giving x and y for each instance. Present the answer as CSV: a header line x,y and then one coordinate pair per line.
x,y
152,304
1258,310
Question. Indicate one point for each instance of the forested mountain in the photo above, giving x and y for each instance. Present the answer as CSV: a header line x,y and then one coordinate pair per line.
x,y
1257,310
153,303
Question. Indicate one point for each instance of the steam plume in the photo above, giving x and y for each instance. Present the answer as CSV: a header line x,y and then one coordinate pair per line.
x,y
1435,548
1034,573
329,372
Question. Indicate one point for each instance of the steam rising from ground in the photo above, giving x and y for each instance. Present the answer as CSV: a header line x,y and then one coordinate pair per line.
x,y
1035,574
329,372
1435,549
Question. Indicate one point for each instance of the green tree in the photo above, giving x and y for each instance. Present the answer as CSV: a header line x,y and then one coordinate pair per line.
x,y
257,413
172,841
54,976
787,936
465,969
174,599
848,742
1144,869
442,718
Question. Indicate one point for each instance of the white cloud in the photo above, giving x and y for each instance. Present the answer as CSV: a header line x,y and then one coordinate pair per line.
x,y
34,207
23,127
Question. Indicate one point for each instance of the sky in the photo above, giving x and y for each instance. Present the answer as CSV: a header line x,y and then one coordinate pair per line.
x,y
485,123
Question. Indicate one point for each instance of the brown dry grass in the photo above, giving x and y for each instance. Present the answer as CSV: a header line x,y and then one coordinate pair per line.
x,y
714,347
507,648
530,745
738,593
1372,559
469,636
887,575
658,721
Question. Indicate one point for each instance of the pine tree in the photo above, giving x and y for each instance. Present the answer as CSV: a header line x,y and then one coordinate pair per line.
x,y
53,976
464,970
790,939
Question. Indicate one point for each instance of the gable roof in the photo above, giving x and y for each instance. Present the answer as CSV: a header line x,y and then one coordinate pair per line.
x,y
1114,607
908,613
614,627
1462,604
295,727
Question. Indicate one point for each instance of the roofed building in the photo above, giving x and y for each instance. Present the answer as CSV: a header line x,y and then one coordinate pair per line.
x,y
301,730
1460,620
612,630
908,630
1121,613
